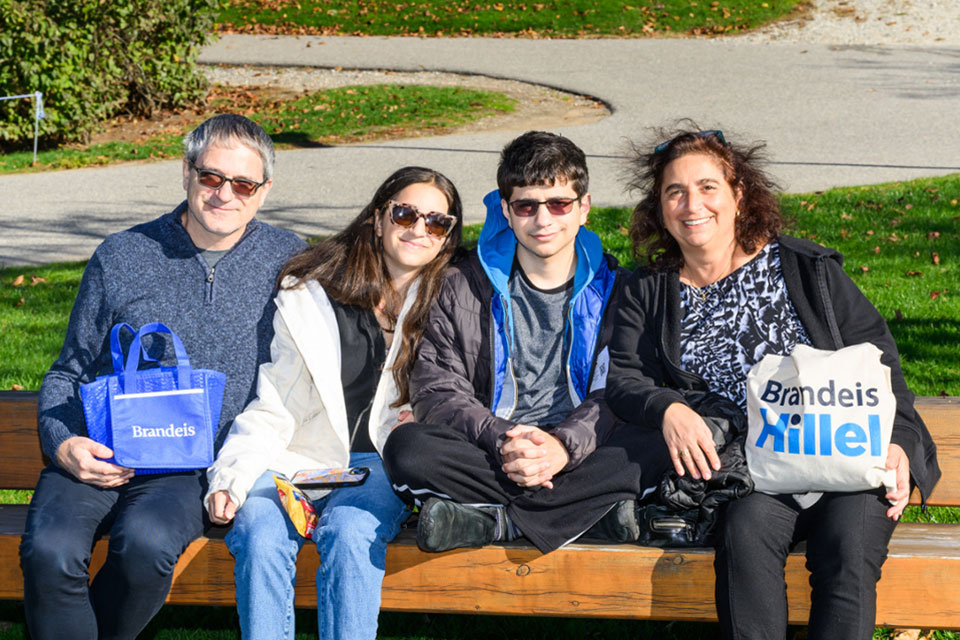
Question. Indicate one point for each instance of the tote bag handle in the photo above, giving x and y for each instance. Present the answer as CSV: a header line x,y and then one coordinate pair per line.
x,y
129,369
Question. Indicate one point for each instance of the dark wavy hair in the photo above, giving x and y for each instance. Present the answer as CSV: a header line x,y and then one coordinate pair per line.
x,y
351,269
540,157
760,219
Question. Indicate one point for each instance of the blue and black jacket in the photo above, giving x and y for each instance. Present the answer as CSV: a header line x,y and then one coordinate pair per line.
x,y
463,377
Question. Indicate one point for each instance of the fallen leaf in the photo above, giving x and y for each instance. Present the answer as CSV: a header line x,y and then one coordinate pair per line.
x,y
864,268
20,303
898,315
935,257
18,280
914,274
905,634
934,295
876,249
34,281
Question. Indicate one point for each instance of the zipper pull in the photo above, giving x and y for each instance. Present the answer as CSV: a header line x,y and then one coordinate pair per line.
x,y
210,275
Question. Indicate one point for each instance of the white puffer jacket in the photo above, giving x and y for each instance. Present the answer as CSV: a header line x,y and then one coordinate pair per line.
x,y
299,419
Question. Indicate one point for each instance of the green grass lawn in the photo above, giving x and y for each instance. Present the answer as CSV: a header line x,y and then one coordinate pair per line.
x,y
543,18
889,233
333,116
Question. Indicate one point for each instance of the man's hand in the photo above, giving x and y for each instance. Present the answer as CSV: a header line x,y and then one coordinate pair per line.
x,y
897,459
79,456
531,456
221,508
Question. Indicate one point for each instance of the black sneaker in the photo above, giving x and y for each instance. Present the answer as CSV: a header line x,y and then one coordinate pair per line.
x,y
445,524
620,524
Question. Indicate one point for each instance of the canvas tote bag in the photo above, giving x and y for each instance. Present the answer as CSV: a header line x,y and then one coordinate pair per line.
x,y
156,420
820,420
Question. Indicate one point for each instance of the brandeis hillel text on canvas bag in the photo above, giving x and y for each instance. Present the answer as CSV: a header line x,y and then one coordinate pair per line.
x,y
155,420
820,420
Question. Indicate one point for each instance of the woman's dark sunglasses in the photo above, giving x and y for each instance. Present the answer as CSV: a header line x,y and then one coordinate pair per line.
x,y
406,215
711,133
528,207
214,180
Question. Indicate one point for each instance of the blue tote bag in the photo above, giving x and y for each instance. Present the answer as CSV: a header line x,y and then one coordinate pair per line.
x,y
157,420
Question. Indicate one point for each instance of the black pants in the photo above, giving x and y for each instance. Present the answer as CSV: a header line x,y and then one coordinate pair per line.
x,y
427,460
151,520
847,536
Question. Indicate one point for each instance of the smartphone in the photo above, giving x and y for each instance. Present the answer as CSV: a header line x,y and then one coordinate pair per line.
x,y
330,478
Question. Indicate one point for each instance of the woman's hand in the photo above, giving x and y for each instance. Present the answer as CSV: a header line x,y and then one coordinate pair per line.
x,y
405,416
221,508
897,459
689,442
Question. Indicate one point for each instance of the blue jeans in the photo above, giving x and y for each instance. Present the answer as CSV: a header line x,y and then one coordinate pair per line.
x,y
150,521
356,523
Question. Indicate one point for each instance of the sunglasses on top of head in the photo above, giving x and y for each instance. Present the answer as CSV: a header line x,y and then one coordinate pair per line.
x,y
527,207
406,215
214,180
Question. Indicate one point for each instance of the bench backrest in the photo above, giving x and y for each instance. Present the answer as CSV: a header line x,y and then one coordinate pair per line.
x,y
21,460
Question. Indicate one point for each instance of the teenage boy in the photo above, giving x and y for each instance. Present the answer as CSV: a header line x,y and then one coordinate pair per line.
x,y
508,387
207,270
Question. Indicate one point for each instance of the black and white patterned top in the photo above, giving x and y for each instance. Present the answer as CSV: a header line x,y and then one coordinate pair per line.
x,y
728,326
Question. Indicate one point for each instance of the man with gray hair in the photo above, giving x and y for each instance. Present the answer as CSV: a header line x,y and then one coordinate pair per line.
x,y
207,270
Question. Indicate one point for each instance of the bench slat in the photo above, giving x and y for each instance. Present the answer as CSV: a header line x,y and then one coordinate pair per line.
x,y
19,441
23,461
581,580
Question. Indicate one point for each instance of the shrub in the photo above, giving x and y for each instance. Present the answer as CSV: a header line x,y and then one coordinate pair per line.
x,y
94,59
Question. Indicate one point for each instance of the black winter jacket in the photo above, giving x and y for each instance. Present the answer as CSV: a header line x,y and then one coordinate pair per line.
x,y
453,379
645,373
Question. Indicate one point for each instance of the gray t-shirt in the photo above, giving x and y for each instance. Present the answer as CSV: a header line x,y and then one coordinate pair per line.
x,y
539,351
212,257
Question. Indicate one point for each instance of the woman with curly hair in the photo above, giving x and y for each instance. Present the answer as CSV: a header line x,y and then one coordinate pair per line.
x,y
724,288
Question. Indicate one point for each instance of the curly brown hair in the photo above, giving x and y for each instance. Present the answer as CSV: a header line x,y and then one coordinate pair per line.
x,y
351,269
760,219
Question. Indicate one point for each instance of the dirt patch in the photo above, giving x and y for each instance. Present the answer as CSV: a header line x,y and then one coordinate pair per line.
x,y
537,107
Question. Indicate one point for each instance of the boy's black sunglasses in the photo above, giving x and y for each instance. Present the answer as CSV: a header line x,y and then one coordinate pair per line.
x,y
406,215
214,180
528,207
711,133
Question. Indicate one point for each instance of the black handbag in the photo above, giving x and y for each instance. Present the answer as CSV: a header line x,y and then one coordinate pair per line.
x,y
685,510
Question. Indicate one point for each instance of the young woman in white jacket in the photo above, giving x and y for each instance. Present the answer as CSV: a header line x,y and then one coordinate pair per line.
x,y
350,314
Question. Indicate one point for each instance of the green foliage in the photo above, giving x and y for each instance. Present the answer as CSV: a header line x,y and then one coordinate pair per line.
x,y
93,59
540,18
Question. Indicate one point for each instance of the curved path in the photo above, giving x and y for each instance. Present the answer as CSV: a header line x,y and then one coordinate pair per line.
x,y
832,115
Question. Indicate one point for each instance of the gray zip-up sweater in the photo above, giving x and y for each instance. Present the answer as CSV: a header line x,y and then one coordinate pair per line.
x,y
153,273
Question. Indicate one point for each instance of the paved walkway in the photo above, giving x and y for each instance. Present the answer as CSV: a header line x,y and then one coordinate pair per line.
x,y
832,115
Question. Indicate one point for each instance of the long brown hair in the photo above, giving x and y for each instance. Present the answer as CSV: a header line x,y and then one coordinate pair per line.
x,y
350,266
759,221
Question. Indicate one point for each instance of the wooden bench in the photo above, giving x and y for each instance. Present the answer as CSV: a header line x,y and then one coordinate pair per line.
x,y
920,587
